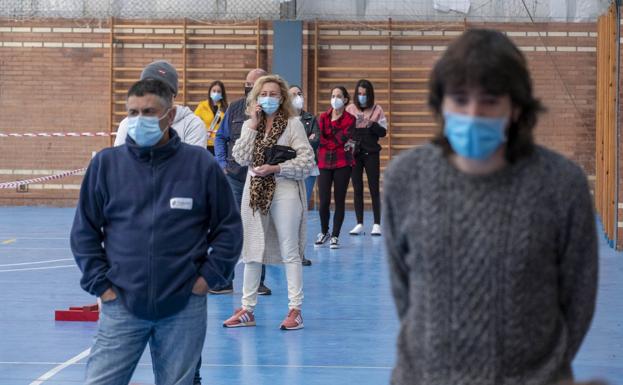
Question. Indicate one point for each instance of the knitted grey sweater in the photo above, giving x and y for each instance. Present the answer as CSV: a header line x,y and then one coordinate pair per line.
x,y
494,277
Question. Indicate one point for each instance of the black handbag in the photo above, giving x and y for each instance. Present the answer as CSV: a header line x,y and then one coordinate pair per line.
x,y
278,154
357,146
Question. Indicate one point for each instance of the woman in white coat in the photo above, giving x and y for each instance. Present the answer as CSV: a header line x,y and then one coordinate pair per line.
x,y
274,198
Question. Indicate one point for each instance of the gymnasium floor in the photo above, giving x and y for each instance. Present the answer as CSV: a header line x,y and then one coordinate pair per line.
x,y
350,323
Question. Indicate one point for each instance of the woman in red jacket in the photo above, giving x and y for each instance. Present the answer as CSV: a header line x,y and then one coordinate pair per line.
x,y
335,161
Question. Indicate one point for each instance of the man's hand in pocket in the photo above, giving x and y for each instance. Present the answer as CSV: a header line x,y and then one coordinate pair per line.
x,y
200,287
109,295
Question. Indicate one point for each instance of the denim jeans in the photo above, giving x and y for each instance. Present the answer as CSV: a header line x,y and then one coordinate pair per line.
x,y
310,181
175,343
237,187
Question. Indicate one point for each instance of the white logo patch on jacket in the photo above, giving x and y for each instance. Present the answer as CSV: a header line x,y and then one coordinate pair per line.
x,y
181,203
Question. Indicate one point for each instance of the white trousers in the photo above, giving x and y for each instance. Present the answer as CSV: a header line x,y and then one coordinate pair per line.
x,y
287,212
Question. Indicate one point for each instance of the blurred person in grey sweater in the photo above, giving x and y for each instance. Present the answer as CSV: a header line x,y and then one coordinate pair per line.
x,y
491,238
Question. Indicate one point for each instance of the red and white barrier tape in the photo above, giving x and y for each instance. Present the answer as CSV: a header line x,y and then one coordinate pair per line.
x,y
55,134
41,179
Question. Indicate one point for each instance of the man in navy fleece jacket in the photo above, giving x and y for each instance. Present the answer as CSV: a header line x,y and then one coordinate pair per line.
x,y
156,225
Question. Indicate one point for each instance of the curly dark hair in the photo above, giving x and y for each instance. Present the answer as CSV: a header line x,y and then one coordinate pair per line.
x,y
489,60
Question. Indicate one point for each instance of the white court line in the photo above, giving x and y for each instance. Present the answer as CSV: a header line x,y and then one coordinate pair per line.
x,y
35,235
148,364
38,268
10,248
46,376
45,238
36,263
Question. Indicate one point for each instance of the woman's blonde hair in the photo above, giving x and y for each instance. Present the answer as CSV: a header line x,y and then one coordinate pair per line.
x,y
286,100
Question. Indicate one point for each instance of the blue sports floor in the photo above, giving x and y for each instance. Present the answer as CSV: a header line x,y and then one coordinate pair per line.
x,y
350,323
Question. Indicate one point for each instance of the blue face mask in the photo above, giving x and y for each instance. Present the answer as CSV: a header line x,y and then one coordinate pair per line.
x,y
269,104
362,99
145,130
474,137
337,103
216,96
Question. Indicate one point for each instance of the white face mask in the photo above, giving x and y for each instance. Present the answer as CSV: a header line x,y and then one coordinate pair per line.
x,y
337,103
297,102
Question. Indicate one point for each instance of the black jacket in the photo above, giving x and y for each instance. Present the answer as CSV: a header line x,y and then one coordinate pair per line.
x,y
150,221
368,137
311,127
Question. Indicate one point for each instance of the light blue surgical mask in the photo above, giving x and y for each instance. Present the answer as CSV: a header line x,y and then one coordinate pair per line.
x,y
216,96
145,130
362,99
269,104
474,137
337,103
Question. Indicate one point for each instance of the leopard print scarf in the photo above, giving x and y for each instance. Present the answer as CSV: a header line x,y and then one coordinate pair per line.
x,y
262,188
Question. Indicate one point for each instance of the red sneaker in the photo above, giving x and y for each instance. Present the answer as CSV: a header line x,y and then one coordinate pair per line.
x,y
241,318
293,321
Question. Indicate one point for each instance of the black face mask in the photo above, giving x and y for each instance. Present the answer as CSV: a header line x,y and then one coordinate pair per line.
x,y
247,90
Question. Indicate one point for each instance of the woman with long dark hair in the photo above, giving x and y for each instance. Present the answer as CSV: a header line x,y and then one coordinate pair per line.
x,y
313,135
212,110
335,161
371,125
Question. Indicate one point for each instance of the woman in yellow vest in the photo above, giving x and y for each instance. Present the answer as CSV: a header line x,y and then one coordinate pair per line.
x,y
212,110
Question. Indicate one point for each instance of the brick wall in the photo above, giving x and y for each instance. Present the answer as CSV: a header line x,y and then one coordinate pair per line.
x,y
54,77
51,80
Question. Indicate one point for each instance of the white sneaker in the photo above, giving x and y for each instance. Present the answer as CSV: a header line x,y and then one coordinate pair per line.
x,y
321,238
357,229
376,229
334,244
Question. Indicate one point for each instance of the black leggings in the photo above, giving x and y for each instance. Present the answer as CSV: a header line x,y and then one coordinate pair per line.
x,y
339,178
372,164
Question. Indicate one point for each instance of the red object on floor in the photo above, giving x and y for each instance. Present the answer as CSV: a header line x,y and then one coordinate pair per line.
x,y
88,313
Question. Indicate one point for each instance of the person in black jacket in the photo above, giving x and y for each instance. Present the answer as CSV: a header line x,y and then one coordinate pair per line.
x,y
151,236
371,125
313,134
